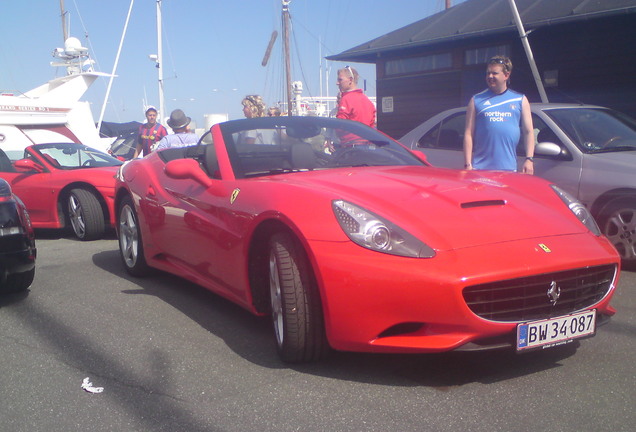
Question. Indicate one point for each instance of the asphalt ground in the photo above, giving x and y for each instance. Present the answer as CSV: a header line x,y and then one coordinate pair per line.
x,y
172,356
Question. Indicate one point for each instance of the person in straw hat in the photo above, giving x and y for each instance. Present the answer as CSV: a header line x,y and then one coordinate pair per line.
x,y
182,136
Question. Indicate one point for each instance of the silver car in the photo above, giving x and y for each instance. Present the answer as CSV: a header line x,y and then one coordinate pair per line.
x,y
590,151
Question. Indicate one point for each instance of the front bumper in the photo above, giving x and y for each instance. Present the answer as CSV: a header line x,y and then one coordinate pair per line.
x,y
375,302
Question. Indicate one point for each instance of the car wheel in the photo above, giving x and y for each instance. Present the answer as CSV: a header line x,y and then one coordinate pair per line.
x,y
131,247
618,223
295,303
85,214
19,281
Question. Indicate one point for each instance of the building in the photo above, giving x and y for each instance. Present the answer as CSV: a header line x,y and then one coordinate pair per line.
x,y
584,51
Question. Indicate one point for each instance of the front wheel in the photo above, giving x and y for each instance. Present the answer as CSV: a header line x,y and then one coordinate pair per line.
x,y
618,223
131,249
85,214
295,303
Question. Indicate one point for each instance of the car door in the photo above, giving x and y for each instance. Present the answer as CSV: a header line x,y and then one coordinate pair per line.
x,y
34,188
559,163
195,231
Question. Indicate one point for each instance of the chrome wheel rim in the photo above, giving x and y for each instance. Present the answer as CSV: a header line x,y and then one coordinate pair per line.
x,y
275,298
620,229
76,216
128,236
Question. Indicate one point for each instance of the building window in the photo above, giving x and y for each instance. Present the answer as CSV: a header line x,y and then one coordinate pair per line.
x,y
482,55
418,64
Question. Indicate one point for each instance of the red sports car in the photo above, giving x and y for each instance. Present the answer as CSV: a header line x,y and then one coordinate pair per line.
x,y
65,183
350,241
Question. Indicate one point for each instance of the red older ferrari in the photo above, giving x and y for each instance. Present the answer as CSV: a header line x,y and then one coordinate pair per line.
x,y
352,242
64,184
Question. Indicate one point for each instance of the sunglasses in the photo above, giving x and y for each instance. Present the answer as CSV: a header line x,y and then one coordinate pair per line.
x,y
350,71
498,61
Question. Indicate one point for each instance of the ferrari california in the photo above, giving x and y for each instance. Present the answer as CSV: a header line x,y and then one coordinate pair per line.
x,y
350,241
17,243
65,184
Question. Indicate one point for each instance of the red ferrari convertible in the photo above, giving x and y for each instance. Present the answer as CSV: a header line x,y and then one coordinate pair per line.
x,y
64,184
352,242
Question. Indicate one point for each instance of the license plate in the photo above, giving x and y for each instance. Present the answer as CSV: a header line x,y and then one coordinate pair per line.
x,y
555,331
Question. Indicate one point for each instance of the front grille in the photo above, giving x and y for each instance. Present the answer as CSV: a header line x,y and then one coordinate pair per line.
x,y
529,298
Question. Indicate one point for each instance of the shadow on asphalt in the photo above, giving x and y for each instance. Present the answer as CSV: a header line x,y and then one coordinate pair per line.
x,y
67,233
251,337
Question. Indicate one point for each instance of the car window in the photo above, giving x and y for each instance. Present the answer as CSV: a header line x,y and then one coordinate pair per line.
x,y
542,133
260,147
71,156
447,135
596,130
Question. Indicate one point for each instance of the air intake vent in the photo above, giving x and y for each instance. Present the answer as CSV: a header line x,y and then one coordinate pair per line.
x,y
487,203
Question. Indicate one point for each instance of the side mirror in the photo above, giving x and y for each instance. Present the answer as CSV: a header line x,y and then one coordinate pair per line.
x,y
547,149
183,169
420,155
28,165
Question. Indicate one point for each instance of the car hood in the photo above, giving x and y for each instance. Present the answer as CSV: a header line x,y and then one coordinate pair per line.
x,y
449,209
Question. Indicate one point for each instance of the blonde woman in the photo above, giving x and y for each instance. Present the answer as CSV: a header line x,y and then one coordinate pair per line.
x,y
253,106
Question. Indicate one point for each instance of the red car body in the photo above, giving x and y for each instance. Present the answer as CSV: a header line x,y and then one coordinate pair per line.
x,y
450,259
65,184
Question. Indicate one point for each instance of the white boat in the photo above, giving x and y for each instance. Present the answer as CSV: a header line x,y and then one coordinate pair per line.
x,y
52,112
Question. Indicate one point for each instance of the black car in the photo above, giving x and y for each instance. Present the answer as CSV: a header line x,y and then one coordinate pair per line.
x,y
17,243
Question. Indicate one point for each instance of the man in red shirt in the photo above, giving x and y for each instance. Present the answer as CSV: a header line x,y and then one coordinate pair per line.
x,y
353,104
149,133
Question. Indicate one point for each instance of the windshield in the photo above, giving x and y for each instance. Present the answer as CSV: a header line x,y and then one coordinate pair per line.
x,y
278,145
73,156
595,130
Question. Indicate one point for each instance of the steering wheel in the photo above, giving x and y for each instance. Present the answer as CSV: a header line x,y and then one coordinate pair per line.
x,y
87,163
611,140
345,156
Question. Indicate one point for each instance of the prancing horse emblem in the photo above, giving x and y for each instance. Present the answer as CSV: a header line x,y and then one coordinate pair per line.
x,y
554,292
234,195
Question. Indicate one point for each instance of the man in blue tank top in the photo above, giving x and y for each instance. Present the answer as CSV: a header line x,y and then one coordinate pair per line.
x,y
496,119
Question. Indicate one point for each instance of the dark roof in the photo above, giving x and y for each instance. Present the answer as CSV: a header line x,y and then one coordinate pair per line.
x,y
475,18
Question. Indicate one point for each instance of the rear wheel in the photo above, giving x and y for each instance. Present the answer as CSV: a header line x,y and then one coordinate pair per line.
x,y
85,214
19,281
131,247
295,303
618,223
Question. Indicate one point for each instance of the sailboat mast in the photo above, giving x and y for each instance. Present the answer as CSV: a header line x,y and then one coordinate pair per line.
x,y
288,86
160,63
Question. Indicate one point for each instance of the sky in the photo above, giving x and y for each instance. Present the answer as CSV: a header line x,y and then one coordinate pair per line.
x,y
212,49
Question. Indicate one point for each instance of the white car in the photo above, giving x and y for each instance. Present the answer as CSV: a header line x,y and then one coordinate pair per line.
x,y
590,151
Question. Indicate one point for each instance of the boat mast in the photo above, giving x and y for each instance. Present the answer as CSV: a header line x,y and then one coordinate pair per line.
x,y
288,85
159,63
63,15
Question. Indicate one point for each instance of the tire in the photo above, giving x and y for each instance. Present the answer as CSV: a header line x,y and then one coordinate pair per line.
x,y
131,249
618,224
19,281
296,310
85,214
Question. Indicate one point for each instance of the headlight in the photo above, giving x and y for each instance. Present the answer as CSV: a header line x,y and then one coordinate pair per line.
x,y
579,210
375,233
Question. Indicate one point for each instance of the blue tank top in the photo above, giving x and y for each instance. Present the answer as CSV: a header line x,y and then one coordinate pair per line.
x,y
497,130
